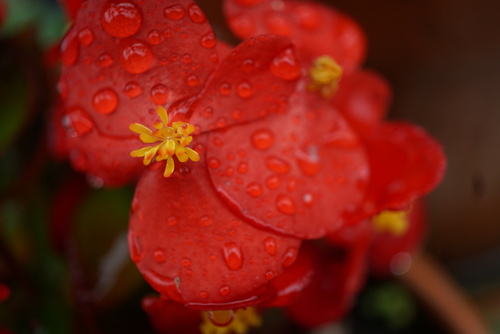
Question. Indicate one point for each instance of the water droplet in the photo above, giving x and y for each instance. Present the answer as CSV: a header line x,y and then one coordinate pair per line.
x,y
247,66
206,221
121,19
159,94
262,139
285,204
277,165
213,163
309,167
154,37
77,122
159,255
185,262
224,290
286,65
105,101
105,60
232,255
225,89
86,36
208,40
62,88
289,256
193,80
244,89
292,185
273,182
195,14
236,114
308,199
254,189
69,49
186,59
175,12
203,294
269,274
132,89
135,55
135,245
242,168
270,246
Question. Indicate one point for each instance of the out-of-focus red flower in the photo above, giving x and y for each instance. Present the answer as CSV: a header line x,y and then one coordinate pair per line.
x,y
71,7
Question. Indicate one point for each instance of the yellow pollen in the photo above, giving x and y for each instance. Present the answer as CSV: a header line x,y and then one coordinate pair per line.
x,y
230,321
394,222
325,76
173,140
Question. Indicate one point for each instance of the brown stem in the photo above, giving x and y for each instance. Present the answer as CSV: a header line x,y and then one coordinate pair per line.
x,y
443,296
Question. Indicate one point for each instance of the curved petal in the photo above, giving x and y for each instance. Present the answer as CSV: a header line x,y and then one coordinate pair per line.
x,y
190,247
297,174
405,163
254,80
363,99
316,29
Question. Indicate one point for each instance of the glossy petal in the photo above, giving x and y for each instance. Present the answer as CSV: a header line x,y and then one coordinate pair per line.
x,y
122,59
190,247
297,174
316,29
405,163
363,98
254,80
339,275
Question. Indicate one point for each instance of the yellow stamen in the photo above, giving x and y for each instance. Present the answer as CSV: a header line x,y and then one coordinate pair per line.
x,y
394,222
172,141
229,321
325,75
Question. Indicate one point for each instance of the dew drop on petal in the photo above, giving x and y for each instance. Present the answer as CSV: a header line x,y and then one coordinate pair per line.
x,y
208,40
309,167
185,262
136,248
285,204
242,168
196,14
86,36
224,290
233,256
286,65
254,189
269,274
206,221
69,49
273,182
77,122
270,246
247,66
172,220
105,101
289,256
159,255
154,37
175,12
132,89
308,199
213,163
262,139
159,94
193,80
244,89
277,165
135,55
105,60
225,89
121,19
203,294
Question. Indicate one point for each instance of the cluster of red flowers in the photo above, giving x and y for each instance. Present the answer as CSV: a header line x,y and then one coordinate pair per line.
x,y
255,152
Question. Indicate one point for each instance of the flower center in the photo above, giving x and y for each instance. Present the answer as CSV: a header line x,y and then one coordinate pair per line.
x,y
325,75
172,140
229,321
394,222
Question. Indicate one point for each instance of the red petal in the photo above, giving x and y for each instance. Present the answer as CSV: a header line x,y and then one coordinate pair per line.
x,y
363,98
71,7
339,275
386,247
296,173
190,247
405,163
254,80
316,29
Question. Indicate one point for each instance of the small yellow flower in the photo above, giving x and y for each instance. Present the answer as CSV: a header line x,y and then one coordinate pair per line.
x,y
173,140
325,75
